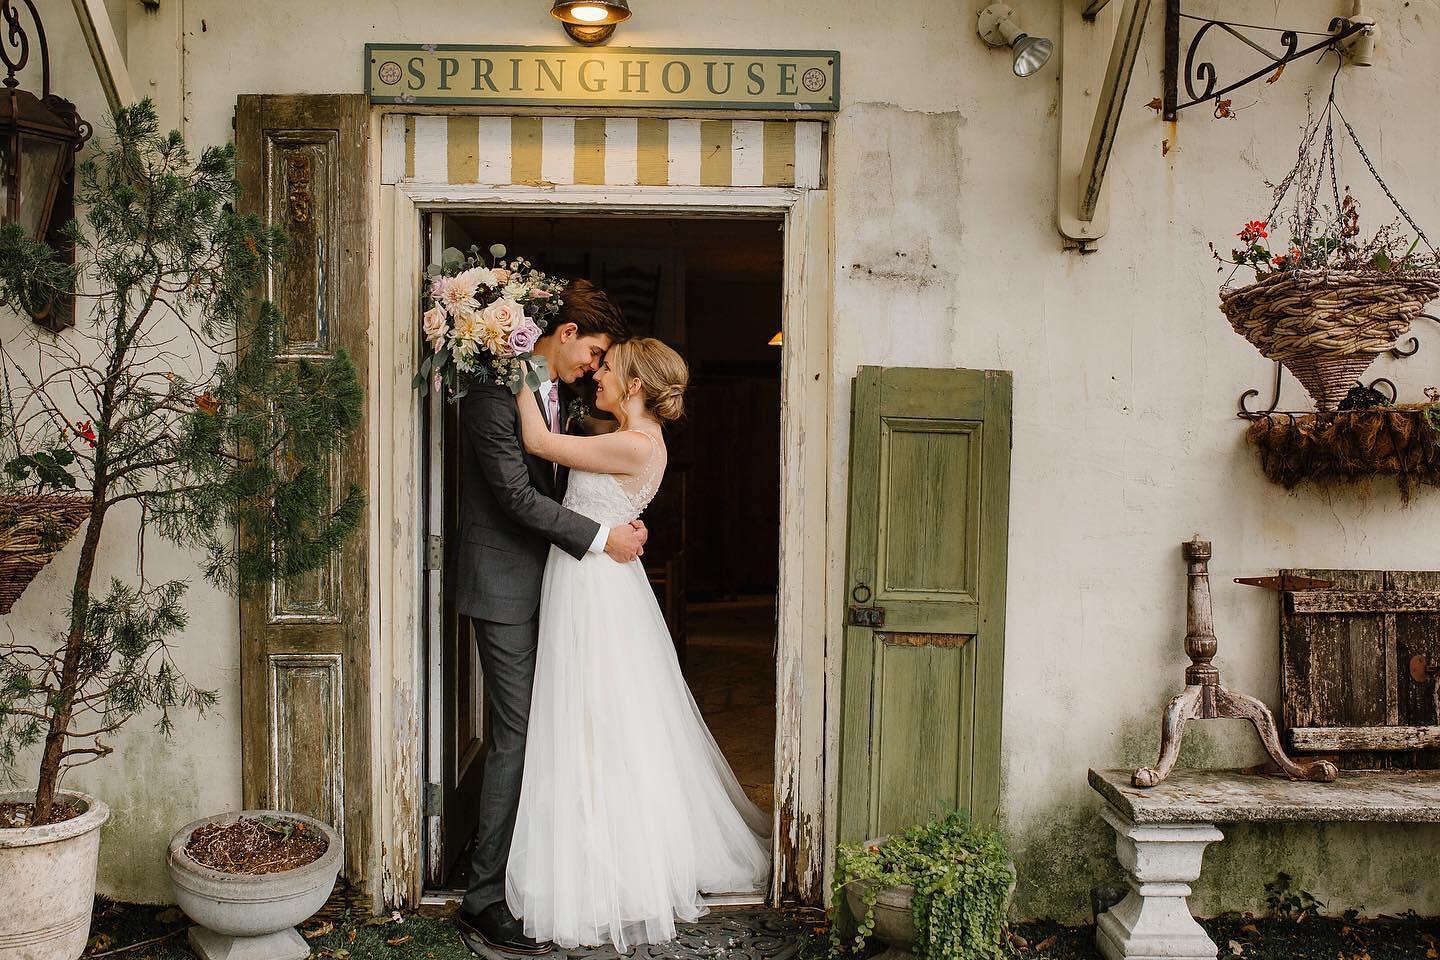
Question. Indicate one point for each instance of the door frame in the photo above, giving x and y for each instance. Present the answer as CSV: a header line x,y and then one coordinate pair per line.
x,y
804,743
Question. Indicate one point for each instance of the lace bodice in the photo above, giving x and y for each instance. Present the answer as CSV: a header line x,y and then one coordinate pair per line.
x,y
611,500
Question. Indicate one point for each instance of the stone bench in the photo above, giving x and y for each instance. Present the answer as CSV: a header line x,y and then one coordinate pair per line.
x,y
1161,834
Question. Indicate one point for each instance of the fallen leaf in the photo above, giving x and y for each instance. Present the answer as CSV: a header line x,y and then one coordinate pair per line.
x,y
377,921
1156,104
325,927
340,954
1251,929
101,941
1276,75
1430,953
399,941
1237,948
171,915
1222,109
351,937
1164,148
1047,943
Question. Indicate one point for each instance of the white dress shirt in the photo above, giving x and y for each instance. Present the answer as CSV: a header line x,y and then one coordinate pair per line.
x,y
548,389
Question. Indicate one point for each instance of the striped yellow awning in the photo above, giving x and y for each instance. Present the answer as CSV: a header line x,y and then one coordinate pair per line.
x,y
610,151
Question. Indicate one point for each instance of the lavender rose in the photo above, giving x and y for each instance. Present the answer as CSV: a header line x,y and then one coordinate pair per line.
x,y
523,335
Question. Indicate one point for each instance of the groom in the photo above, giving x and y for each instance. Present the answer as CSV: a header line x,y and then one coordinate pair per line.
x,y
510,514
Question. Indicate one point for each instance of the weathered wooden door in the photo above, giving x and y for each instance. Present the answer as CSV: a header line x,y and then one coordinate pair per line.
x,y
304,643
925,596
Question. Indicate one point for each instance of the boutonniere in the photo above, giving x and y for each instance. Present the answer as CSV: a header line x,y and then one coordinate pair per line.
x,y
577,412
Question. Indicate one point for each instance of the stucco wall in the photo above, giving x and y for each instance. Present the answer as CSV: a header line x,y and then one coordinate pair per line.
x,y
1126,376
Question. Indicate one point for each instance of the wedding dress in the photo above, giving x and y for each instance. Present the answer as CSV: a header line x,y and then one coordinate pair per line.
x,y
628,810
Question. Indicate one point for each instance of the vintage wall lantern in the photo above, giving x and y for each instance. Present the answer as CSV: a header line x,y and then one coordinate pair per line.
x,y
590,21
39,137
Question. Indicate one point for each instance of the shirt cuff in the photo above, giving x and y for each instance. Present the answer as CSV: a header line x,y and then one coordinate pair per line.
x,y
598,545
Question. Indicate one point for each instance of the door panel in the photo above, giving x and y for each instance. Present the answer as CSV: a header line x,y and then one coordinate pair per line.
x,y
924,641
304,642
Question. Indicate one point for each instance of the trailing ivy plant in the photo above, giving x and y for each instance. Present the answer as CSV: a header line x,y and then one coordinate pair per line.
x,y
173,395
962,876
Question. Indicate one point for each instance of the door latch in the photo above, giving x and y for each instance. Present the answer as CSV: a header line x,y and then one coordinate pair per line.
x,y
862,614
867,616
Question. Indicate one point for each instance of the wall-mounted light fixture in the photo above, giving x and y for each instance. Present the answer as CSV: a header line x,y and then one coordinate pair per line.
x,y
998,28
590,21
39,137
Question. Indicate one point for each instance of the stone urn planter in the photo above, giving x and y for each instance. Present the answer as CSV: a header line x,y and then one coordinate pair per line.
x,y
895,911
894,917
252,916
49,881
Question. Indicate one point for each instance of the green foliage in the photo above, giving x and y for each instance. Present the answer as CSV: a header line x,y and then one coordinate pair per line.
x,y
1285,901
962,875
177,397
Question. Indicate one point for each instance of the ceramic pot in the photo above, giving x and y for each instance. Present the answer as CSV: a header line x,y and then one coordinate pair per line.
x,y
49,881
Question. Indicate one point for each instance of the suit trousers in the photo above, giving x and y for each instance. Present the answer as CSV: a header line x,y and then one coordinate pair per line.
x,y
507,655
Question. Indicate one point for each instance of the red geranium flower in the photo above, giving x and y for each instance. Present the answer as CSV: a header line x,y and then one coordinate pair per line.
x,y
86,431
1254,230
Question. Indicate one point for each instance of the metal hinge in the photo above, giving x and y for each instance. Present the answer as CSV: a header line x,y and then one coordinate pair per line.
x,y
434,551
434,798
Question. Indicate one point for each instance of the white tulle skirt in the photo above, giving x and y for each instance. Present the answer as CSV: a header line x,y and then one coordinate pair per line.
x,y
628,809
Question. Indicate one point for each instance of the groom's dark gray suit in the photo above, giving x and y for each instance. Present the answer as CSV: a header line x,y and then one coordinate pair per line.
x,y
510,514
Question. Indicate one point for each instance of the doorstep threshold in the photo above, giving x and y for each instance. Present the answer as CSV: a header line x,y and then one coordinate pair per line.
x,y
440,897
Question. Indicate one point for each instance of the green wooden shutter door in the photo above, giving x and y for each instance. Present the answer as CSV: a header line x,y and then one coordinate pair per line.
x,y
929,505
304,643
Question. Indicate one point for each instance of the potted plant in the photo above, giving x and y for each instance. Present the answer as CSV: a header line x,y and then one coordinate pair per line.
x,y
1327,303
248,878
937,891
142,406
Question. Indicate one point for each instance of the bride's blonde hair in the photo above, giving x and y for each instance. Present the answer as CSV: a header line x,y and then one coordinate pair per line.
x,y
661,371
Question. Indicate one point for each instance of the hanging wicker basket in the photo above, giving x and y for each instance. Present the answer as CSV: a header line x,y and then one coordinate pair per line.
x,y
1328,326
32,531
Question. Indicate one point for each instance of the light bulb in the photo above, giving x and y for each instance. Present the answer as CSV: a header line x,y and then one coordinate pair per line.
x,y
589,14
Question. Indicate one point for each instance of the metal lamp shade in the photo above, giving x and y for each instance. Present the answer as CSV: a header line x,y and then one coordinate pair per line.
x,y
1031,53
591,13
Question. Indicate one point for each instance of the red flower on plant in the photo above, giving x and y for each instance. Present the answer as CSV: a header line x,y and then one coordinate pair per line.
x,y
1254,230
86,431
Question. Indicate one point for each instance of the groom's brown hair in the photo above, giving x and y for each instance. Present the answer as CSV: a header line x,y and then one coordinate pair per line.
x,y
592,311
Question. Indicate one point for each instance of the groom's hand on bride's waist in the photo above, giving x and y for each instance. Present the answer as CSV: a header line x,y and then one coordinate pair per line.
x,y
626,542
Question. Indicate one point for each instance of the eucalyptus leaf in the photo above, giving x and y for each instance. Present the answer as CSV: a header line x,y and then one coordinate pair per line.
x,y
451,257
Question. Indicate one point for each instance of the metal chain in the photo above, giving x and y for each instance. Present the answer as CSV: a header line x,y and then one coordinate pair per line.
x,y
1380,180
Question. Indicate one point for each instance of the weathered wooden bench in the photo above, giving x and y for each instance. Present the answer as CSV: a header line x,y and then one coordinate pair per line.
x,y
1161,833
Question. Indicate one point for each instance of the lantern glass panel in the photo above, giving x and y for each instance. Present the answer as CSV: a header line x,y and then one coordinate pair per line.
x,y
39,167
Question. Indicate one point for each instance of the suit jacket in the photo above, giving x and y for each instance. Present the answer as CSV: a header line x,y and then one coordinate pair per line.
x,y
510,510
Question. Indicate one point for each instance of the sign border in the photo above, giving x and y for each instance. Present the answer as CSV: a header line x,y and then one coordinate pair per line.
x,y
832,106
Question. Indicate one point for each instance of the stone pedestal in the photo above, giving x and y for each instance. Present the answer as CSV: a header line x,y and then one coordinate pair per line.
x,y
1153,922
282,945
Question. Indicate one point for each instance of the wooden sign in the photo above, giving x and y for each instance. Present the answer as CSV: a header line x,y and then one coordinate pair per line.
x,y
793,80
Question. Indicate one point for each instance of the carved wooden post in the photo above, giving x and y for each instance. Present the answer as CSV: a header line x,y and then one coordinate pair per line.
x,y
1204,698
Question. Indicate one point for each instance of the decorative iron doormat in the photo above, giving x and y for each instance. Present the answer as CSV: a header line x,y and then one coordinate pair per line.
x,y
723,935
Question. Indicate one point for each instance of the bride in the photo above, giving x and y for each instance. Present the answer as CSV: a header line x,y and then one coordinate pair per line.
x,y
628,810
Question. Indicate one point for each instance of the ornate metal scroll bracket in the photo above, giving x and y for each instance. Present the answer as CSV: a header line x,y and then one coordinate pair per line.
x,y
1202,79
1399,352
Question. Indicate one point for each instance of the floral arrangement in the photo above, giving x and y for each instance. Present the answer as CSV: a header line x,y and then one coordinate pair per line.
x,y
1327,243
484,320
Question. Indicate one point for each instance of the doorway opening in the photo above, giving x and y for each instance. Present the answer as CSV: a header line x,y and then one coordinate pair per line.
x,y
713,289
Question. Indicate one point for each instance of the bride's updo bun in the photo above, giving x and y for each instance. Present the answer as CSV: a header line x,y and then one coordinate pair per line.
x,y
661,371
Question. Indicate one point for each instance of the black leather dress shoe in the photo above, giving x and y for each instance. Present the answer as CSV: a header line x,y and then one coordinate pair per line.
x,y
497,929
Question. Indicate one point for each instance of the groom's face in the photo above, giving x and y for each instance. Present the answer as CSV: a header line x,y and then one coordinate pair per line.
x,y
578,354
